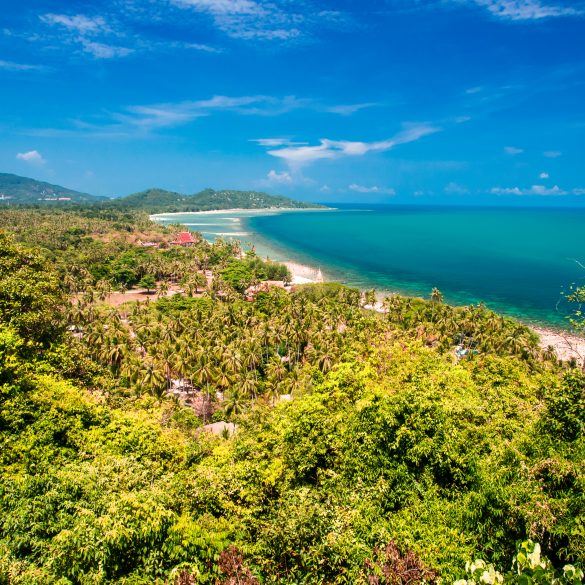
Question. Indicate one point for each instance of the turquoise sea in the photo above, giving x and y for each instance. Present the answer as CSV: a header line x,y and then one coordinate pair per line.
x,y
517,261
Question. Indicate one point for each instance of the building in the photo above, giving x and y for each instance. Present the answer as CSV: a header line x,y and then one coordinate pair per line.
x,y
263,286
184,239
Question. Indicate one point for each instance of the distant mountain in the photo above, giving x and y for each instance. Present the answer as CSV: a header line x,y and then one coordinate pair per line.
x,y
25,191
161,201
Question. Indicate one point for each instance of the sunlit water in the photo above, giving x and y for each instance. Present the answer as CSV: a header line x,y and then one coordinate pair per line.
x,y
516,261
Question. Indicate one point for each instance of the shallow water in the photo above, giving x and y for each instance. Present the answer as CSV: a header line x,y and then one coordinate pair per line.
x,y
517,261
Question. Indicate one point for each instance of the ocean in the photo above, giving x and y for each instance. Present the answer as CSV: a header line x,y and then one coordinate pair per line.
x,y
517,261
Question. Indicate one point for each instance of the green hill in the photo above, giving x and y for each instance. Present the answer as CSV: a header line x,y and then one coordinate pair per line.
x,y
16,190
23,190
159,200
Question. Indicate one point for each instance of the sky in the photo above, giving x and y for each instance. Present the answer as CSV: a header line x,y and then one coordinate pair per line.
x,y
434,101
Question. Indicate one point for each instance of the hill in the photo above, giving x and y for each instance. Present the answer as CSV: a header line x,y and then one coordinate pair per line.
x,y
15,189
159,200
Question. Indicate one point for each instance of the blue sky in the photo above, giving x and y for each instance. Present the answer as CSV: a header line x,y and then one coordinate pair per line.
x,y
445,101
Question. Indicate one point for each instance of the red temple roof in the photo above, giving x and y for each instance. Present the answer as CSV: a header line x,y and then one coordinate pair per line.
x,y
184,238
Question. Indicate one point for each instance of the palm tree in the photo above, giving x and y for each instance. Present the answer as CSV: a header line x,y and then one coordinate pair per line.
x,y
199,281
235,402
152,379
162,288
436,295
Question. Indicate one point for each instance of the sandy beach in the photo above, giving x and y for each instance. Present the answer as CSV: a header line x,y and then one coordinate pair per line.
x,y
302,274
263,210
567,346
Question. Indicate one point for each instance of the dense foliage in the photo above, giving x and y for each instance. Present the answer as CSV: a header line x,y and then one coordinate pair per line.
x,y
367,450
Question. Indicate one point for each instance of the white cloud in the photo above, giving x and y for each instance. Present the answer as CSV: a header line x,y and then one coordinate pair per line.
x,y
12,66
83,31
272,142
512,150
374,189
144,118
519,10
103,51
174,114
346,110
543,176
223,6
325,189
534,190
248,19
283,178
202,47
456,189
331,149
552,153
33,157
473,90
79,23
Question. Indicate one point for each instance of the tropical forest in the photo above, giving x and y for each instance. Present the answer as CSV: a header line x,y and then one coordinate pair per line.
x,y
170,415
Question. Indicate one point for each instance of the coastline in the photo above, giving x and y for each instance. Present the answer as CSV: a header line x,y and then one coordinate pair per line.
x,y
260,210
566,344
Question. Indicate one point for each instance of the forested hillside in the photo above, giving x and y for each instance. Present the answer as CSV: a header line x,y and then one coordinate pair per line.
x,y
366,451
159,200
24,191
18,191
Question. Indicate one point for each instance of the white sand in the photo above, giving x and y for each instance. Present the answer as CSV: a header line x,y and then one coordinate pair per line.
x,y
301,273
566,345
238,210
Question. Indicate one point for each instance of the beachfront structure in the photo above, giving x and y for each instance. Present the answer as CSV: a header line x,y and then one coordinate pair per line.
x,y
184,239
264,286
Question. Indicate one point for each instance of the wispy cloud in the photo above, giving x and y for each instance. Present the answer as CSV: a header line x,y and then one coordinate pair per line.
x,y
455,189
89,32
12,66
79,23
248,19
540,190
104,51
273,142
142,119
33,157
513,150
348,109
265,20
332,149
525,10
372,189
544,175
203,47
552,153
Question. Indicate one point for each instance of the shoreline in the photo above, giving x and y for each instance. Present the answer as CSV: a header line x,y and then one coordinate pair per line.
x,y
155,216
567,345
